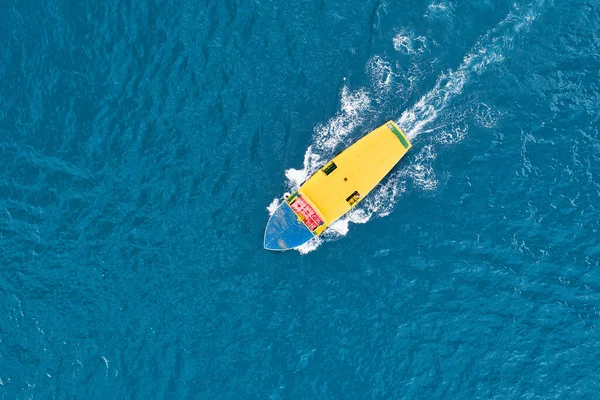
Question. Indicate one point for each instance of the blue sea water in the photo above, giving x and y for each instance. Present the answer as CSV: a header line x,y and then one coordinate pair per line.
x,y
141,143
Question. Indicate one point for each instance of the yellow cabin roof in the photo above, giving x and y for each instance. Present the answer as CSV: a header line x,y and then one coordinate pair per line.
x,y
359,168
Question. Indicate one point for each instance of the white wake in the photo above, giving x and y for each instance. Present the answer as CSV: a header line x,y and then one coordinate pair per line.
x,y
423,117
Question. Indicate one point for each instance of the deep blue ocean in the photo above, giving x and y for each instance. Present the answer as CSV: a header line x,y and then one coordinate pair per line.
x,y
143,143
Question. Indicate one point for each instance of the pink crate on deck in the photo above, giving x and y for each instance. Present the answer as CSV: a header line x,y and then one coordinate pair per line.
x,y
310,216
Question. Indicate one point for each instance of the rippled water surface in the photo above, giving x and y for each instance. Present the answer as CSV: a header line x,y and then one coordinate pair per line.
x,y
142,143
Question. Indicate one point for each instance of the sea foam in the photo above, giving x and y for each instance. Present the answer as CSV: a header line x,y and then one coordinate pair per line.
x,y
423,117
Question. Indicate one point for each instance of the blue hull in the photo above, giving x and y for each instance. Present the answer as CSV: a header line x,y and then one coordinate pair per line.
x,y
284,231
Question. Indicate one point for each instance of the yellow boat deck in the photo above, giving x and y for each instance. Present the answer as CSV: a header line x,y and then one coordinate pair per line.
x,y
350,176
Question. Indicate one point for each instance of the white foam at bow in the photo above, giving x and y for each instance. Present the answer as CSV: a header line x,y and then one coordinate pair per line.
x,y
273,206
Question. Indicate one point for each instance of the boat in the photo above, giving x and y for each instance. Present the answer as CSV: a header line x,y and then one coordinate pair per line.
x,y
336,188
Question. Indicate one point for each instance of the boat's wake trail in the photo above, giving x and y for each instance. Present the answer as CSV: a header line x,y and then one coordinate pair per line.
x,y
489,49
432,107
